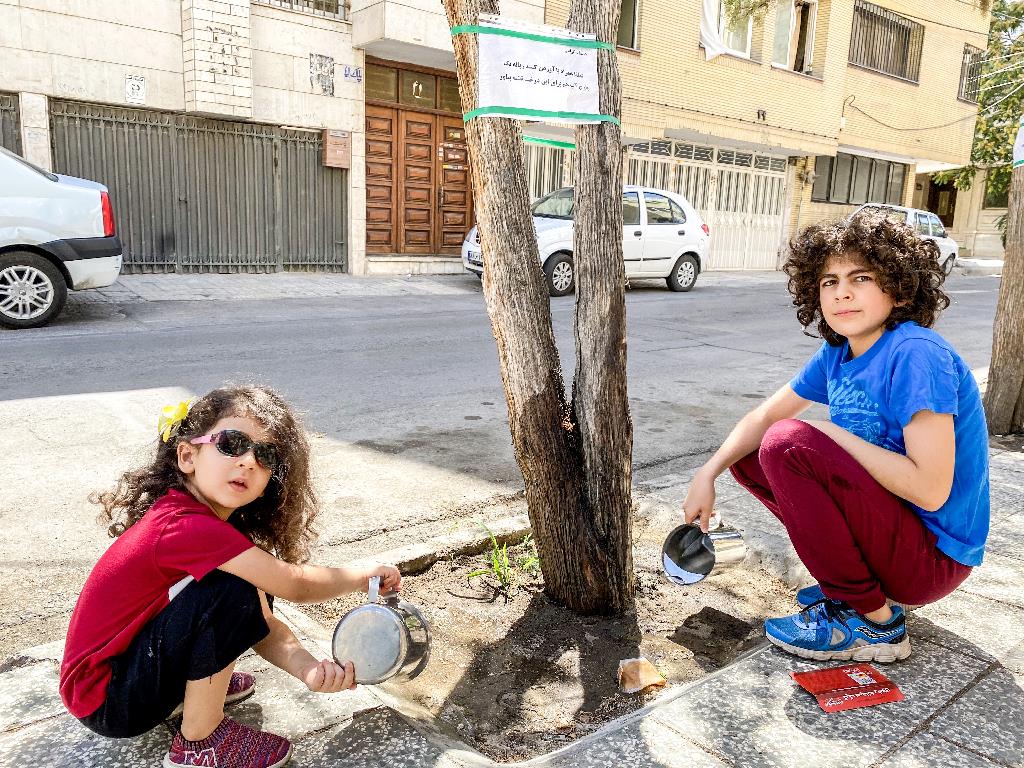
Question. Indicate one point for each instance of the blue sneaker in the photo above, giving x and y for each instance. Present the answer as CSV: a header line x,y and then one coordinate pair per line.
x,y
833,631
808,596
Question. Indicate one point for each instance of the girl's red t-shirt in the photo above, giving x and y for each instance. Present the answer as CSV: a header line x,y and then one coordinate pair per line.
x,y
177,540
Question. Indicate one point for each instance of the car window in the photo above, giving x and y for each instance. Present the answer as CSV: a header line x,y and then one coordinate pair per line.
x,y
661,210
630,208
938,230
890,213
556,205
922,224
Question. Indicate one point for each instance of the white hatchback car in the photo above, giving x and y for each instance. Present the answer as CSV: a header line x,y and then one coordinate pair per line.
x,y
56,232
927,225
663,236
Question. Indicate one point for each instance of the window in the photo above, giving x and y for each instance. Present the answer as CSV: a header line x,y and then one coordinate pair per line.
x,y
794,34
736,37
317,7
417,89
627,24
630,209
557,205
661,210
886,42
995,198
922,225
938,230
889,213
854,179
414,89
970,73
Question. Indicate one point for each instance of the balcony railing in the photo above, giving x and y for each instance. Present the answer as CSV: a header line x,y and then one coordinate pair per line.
x,y
332,9
886,42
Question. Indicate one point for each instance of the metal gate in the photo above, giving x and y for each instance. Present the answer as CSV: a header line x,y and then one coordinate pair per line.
x,y
10,124
198,195
740,195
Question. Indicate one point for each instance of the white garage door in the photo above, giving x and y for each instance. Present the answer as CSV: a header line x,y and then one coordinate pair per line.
x,y
741,196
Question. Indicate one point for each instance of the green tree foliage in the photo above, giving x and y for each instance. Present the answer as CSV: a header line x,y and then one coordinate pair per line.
x,y
1000,102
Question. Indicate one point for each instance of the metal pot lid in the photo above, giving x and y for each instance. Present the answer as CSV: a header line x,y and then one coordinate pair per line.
x,y
374,638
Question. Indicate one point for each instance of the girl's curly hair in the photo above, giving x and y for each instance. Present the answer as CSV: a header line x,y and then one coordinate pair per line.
x,y
906,267
280,521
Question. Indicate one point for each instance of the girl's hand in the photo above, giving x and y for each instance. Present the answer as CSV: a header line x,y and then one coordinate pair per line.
x,y
390,578
700,500
328,677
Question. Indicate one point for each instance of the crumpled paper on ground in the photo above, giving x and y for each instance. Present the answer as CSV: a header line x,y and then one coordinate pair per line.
x,y
637,674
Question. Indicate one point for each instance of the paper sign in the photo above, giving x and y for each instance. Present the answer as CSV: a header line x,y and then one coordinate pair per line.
x,y
848,687
1018,146
542,72
135,89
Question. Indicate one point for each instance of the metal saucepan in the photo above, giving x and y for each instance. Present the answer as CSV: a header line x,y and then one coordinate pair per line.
x,y
384,638
690,555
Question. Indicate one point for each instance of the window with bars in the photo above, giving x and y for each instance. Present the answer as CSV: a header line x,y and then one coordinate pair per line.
x,y
886,42
330,8
855,179
970,73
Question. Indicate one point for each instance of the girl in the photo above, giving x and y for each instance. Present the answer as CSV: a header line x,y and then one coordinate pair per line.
x,y
186,587
889,499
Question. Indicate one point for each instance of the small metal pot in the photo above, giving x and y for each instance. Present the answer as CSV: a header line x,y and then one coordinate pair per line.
x,y
690,555
386,638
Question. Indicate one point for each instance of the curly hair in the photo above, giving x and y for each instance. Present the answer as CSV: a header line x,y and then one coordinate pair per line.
x,y
906,267
280,521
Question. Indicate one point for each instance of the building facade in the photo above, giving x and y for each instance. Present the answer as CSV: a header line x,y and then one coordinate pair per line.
x,y
258,135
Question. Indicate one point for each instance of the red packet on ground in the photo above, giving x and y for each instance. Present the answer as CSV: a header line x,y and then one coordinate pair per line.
x,y
848,687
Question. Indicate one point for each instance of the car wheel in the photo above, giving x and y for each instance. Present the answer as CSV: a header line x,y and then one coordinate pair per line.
x,y
561,274
32,290
684,273
948,264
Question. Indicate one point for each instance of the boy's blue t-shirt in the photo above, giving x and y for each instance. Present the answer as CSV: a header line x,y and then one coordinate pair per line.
x,y
874,396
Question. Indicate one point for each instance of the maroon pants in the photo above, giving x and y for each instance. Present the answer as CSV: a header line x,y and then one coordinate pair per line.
x,y
861,542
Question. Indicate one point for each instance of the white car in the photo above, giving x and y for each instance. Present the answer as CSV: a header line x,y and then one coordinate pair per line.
x,y
927,225
663,236
56,232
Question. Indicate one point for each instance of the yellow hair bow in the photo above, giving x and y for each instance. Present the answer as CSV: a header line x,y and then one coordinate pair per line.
x,y
170,417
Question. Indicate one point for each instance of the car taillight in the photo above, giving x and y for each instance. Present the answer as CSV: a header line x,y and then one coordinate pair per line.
x,y
706,228
108,215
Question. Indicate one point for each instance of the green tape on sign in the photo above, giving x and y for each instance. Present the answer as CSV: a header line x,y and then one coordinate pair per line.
x,y
549,142
541,113
469,29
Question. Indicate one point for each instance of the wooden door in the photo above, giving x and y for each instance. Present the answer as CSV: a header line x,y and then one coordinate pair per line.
x,y
417,182
418,189
455,196
381,153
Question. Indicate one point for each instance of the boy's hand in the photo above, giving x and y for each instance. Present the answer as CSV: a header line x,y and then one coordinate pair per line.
x,y
390,578
328,677
700,500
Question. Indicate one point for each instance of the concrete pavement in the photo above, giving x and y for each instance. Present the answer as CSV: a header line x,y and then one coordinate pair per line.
x,y
963,685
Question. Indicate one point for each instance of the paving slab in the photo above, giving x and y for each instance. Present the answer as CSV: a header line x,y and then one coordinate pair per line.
x,y
66,742
755,715
640,744
988,719
970,624
27,695
927,749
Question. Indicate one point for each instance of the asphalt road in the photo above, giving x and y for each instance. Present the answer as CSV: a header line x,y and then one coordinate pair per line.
x,y
402,394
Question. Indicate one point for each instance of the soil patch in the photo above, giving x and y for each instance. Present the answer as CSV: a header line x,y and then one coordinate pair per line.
x,y
516,676
1011,442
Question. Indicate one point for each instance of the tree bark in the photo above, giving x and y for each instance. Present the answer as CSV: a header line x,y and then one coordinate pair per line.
x,y
583,552
600,400
1004,397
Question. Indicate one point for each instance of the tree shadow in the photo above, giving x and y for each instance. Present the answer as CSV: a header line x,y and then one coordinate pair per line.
x,y
549,680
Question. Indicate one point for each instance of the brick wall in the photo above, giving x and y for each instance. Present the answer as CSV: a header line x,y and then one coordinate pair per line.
x,y
217,57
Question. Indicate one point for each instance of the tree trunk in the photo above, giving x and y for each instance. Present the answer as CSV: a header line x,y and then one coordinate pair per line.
x,y
1004,397
585,552
600,401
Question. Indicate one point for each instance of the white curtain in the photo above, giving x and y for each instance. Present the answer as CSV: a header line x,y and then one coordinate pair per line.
x,y
709,37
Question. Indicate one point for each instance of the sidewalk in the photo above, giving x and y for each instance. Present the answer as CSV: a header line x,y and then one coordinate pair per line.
x,y
964,686
275,285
